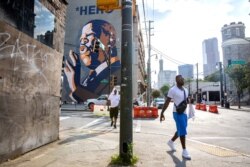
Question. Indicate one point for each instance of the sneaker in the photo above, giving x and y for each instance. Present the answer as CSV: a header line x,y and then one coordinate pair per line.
x,y
171,145
186,155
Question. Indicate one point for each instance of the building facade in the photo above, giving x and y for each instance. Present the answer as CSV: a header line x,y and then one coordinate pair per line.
x,y
89,71
210,54
165,76
139,85
31,54
236,49
186,70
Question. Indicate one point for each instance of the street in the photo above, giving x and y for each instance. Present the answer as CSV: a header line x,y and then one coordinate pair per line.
x,y
228,129
88,140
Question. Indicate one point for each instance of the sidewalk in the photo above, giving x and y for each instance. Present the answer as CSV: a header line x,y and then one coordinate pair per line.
x,y
242,108
94,148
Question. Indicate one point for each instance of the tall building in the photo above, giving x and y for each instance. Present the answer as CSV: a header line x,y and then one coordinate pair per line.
x,y
236,49
94,68
210,54
139,72
165,76
186,70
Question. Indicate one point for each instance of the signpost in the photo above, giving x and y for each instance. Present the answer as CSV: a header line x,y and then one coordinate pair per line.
x,y
241,62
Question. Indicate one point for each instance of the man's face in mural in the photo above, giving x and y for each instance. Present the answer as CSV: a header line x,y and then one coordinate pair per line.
x,y
107,37
89,81
86,44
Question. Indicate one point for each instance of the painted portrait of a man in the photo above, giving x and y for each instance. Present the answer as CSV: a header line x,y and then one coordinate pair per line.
x,y
88,71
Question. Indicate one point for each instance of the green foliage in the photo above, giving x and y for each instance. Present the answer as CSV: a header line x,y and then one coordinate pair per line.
x,y
247,74
238,75
156,93
164,89
214,77
129,160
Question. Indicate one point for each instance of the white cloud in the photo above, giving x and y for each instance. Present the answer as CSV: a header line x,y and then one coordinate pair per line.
x,y
182,25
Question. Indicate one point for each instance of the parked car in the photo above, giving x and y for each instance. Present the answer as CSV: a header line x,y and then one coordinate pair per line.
x,y
101,100
158,102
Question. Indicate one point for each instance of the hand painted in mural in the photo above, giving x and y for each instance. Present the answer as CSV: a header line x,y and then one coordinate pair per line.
x,y
85,71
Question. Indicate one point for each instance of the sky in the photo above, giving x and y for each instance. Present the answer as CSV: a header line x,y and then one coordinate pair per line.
x,y
180,26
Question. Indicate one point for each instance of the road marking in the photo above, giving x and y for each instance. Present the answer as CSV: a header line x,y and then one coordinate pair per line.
x,y
138,126
63,118
220,138
216,150
96,121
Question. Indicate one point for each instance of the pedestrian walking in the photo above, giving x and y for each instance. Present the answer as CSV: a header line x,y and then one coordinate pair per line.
x,y
178,94
114,98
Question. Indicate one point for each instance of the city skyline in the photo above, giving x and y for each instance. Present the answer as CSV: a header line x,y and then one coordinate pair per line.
x,y
179,27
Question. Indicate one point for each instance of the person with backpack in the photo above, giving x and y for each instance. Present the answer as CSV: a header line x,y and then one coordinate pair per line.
x,y
178,94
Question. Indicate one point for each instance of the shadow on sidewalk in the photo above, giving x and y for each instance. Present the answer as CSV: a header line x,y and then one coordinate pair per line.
x,y
177,161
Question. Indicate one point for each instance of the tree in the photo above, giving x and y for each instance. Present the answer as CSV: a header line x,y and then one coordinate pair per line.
x,y
237,74
156,93
214,77
247,76
164,89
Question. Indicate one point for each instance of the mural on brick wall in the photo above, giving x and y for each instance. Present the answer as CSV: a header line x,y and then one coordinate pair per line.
x,y
88,73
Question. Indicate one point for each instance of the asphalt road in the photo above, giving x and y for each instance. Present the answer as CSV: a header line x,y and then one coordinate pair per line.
x,y
228,130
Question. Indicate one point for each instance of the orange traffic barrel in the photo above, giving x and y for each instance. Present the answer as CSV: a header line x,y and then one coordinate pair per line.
x,y
213,109
197,106
145,112
203,107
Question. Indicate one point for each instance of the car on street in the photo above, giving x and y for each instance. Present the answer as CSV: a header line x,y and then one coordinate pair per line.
x,y
158,102
101,100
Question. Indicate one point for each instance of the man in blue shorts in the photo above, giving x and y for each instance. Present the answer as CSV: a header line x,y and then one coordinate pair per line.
x,y
178,93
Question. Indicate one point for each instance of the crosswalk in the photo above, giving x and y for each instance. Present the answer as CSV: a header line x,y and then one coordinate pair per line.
x,y
103,124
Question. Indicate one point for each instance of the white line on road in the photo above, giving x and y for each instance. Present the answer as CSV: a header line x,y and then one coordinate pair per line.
x,y
63,118
92,123
138,126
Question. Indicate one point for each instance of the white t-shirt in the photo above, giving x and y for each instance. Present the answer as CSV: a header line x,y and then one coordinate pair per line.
x,y
114,99
177,95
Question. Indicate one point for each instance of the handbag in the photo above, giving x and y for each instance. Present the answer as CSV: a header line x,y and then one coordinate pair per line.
x,y
182,106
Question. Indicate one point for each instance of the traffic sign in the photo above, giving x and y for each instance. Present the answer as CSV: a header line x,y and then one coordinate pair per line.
x,y
238,62
104,81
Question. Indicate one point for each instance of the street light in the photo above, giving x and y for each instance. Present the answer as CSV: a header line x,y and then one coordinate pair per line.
x,y
223,94
149,80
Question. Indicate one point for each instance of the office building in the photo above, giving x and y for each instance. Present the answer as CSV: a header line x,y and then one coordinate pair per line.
x,y
186,70
210,54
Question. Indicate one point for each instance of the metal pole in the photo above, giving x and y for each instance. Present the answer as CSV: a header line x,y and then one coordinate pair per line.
x,y
149,66
126,131
221,86
197,85
225,90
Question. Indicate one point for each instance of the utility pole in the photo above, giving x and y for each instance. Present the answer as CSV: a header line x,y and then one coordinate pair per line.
x,y
149,66
197,86
221,86
126,128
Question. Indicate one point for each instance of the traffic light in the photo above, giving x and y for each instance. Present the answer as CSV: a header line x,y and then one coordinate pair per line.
x,y
107,4
229,62
115,80
96,46
112,80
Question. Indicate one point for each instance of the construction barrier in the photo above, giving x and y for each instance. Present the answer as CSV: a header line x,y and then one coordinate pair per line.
x,y
203,107
145,112
101,110
213,109
197,106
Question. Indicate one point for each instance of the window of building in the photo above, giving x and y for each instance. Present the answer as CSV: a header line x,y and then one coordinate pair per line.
x,y
228,33
237,32
30,17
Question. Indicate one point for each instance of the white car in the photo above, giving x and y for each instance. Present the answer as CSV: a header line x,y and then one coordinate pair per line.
x,y
158,102
101,100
